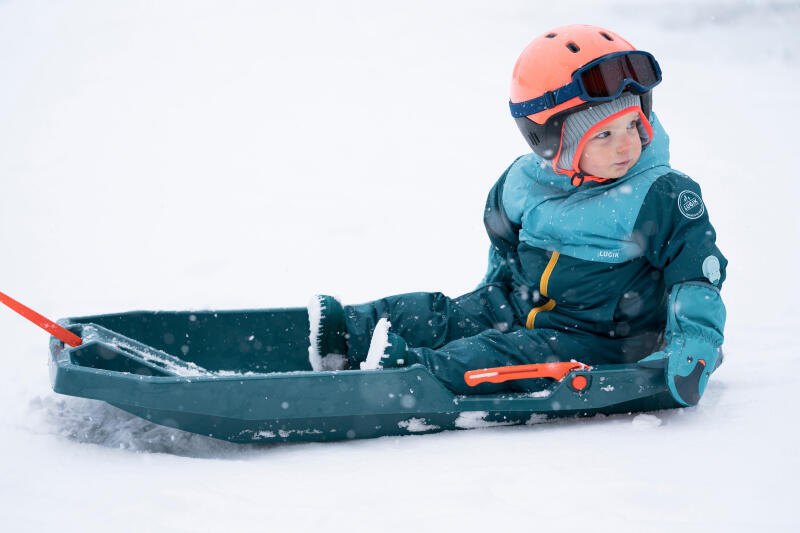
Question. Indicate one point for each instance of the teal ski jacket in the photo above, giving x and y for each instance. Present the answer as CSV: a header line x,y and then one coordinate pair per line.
x,y
601,258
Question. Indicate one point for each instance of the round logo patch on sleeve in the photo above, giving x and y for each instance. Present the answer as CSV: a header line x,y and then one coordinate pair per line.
x,y
691,205
711,269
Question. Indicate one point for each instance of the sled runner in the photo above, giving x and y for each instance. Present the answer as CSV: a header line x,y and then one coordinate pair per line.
x,y
244,376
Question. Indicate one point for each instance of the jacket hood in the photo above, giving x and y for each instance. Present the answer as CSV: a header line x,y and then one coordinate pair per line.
x,y
654,154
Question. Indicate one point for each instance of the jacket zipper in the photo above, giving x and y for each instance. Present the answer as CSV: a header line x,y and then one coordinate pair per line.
x,y
543,290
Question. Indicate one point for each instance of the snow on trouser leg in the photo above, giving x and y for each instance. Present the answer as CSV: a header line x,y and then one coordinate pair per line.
x,y
387,349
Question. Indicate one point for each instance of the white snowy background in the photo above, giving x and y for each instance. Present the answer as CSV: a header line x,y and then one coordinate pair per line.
x,y
244,154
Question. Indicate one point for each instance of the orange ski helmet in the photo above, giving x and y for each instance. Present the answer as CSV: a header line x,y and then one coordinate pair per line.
x,y
543,75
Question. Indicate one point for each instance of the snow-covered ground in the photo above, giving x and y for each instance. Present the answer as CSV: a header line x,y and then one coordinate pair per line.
x,y
198,154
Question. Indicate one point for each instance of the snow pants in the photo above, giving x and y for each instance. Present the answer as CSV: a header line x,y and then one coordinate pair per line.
x,y
479,330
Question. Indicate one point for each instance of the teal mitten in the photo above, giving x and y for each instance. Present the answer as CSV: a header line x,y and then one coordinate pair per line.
x,y
695,321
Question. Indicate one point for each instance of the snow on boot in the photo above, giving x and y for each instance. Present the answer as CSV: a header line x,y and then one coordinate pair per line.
x,y
386,349
327,348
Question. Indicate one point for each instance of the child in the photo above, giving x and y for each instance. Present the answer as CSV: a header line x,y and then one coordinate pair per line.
x,y
601,253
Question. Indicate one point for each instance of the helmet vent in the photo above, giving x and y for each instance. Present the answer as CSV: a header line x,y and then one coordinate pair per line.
x,y
533,137
550,35
607,36
573,48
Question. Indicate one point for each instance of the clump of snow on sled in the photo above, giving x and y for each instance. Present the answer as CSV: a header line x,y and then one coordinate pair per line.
x,y
477,419
417,425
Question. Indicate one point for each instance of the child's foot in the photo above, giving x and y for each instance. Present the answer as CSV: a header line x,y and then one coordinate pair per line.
x,y
327,348
386,349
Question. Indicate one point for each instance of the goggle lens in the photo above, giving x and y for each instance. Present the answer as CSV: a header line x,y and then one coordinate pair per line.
x,y
609,76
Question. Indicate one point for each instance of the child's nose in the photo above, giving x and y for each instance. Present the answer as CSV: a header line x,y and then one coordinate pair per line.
x,y
625,142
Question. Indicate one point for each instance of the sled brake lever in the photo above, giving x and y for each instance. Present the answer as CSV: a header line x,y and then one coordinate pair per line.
x,y
500,374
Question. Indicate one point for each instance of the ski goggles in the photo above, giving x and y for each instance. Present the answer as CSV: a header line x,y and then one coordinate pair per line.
x,y
601,80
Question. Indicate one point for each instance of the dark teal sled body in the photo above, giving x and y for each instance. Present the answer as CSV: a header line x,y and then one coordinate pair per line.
x,y
244,376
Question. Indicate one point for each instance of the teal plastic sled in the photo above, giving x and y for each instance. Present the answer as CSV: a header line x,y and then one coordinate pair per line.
x,y
244,376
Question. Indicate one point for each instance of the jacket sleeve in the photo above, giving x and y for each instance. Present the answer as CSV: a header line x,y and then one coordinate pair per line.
x,y
497,271
503,234
676,235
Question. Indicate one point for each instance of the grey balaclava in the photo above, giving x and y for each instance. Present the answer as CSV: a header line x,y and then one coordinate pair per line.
x,y
577,124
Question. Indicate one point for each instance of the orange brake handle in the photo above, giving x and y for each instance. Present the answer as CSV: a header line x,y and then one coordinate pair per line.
x,y
557,371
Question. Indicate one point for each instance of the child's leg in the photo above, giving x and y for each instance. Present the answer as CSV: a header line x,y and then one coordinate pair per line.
x,y
493,348
429,320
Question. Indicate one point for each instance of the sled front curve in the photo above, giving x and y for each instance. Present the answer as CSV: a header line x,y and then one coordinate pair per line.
x,y
243,376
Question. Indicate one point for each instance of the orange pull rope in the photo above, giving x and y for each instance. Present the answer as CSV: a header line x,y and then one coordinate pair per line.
x,y
43,322
507,373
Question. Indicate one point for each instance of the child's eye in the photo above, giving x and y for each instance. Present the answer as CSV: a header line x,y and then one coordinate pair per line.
x,y
602,135
632,124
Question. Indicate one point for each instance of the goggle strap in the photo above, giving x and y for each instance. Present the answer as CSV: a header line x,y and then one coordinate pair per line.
x,y
574,89
548,100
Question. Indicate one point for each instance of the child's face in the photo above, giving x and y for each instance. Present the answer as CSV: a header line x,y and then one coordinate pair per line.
x,y
613,150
